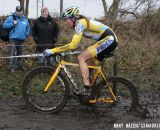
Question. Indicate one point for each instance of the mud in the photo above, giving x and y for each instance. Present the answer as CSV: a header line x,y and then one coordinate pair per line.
x,y
15,115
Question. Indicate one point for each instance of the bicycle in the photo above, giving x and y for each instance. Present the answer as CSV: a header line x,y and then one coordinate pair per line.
x,y
46,89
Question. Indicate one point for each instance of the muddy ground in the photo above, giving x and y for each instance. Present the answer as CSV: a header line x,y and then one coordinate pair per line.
x,y
15,115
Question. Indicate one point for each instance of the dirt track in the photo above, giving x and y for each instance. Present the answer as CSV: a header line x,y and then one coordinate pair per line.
x,y
15,115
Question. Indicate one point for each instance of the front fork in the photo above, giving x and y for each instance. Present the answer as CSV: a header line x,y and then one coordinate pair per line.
x,y
55,74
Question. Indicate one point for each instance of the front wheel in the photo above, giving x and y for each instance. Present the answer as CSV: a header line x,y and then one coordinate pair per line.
x,y
33,90
124,91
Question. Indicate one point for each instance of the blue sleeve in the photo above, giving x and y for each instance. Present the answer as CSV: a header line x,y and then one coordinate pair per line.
x,y
28,29
8,23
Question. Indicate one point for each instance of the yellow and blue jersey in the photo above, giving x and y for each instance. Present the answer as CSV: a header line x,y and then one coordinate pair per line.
x,y
88,28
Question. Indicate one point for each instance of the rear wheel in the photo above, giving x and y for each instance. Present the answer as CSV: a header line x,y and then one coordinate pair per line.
x,y
125,92
33,90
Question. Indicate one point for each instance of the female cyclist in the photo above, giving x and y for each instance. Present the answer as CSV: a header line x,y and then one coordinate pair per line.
x,y
106,40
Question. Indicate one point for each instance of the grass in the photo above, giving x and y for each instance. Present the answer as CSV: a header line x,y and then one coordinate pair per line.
x,y
139,64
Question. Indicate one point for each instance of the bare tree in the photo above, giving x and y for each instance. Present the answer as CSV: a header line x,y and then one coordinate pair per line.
x,y
112,12
127,7
26,8
105,8
42,3
61,6
130,10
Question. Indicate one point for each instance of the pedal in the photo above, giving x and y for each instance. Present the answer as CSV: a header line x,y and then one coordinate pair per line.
x,y
106,100
92,101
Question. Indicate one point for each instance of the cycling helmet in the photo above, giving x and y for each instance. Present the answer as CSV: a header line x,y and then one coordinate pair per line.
x,y
70,12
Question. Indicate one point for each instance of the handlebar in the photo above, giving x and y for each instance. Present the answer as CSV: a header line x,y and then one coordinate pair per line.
x,y
70,53
58,56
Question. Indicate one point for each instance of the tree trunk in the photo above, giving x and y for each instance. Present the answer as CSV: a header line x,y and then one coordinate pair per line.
x,y
105,8
27,8
37,8
42,3
61,6
112,12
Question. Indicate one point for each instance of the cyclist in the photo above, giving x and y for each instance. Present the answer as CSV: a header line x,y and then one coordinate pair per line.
x,y
106,40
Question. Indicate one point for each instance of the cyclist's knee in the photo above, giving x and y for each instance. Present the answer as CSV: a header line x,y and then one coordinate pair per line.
x,y
85,55
81,57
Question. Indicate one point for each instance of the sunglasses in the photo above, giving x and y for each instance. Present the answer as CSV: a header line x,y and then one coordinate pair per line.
x,y
18,10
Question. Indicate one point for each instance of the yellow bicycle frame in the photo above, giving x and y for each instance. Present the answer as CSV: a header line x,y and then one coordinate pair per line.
x,y
98,71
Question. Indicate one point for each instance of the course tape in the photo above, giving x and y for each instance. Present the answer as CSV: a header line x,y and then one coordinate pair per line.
x,y
22,56
40,55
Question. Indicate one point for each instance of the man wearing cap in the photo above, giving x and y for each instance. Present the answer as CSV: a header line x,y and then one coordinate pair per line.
x,y
20,30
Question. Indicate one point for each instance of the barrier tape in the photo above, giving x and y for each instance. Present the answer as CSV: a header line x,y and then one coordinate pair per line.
x,y
39,55
31,45
29,55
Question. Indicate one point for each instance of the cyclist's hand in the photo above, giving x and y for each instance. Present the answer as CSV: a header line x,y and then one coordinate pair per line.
x,y
47,53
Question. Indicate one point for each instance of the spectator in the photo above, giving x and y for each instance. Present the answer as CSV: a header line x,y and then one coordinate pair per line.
x,y
20,30
45,32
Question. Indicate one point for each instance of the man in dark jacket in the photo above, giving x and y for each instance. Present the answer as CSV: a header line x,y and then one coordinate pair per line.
x,y
45,32
20,30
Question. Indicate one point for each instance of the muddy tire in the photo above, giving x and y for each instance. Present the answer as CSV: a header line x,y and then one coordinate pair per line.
x,y
124,90
33,90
